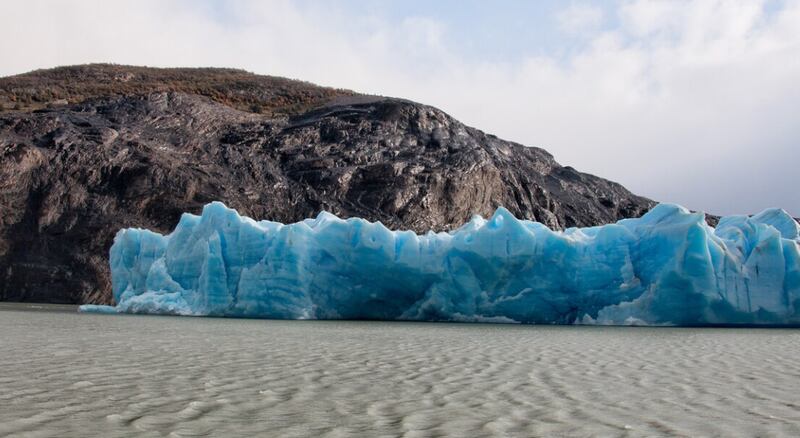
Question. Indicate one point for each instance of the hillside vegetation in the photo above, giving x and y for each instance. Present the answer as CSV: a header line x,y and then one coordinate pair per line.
x,y
236,88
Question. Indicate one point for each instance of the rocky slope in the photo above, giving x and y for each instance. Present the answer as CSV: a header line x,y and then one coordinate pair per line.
x,y
71,175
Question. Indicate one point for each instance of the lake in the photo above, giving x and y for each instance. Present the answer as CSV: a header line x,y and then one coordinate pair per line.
x,y
63,373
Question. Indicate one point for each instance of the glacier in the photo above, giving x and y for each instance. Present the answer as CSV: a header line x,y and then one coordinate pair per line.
x,y
666,268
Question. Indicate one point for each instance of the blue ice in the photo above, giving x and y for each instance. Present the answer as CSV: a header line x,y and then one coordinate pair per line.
x,y
666,268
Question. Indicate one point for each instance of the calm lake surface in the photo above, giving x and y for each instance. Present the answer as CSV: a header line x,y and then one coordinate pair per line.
x,y
68,374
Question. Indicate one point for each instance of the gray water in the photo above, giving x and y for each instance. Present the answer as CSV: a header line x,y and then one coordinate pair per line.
x,y
69,374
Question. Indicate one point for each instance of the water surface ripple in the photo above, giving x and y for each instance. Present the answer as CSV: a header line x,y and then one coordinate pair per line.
x,y
69,374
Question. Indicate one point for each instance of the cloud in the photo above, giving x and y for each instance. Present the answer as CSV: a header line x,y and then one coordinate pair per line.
x,y
692,102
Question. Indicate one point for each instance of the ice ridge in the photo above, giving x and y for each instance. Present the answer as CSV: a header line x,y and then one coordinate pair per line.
x,y
666,268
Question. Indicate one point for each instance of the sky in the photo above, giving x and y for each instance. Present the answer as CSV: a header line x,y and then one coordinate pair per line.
x,y
696,103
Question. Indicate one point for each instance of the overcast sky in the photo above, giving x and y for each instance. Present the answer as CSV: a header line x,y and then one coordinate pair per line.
x,y
690,102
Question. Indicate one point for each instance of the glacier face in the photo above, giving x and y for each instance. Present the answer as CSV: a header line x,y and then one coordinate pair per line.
x,y
668,268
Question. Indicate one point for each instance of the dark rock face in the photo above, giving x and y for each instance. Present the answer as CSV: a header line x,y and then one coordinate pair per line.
x,y
71,176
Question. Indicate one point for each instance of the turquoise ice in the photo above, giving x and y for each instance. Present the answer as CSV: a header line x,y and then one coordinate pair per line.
x,y
668,268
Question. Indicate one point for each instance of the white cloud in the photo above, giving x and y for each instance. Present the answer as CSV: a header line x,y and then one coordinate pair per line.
x,y
692,102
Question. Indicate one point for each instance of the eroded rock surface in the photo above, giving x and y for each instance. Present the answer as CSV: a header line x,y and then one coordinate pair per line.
x,y
72,175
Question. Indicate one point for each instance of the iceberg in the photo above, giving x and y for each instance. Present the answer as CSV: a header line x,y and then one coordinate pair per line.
x,y
666,268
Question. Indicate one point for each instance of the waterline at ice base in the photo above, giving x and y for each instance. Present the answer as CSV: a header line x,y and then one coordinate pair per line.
x,y
666,268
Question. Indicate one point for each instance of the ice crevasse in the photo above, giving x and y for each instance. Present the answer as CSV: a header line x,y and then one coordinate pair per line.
x,y
666,268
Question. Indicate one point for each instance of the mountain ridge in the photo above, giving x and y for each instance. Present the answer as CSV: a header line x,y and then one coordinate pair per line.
x,y
236,88
72,174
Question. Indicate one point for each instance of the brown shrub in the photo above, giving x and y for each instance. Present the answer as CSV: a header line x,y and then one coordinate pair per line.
x,y
236,88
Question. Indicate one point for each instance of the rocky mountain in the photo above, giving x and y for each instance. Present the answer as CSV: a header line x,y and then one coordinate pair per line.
x,y
93,149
